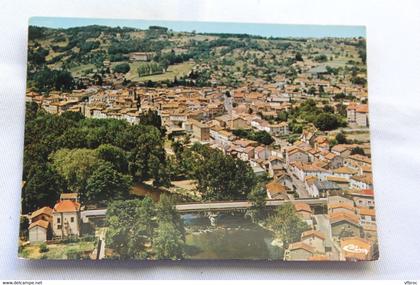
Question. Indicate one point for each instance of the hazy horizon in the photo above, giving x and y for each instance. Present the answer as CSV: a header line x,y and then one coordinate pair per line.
x,y
256,29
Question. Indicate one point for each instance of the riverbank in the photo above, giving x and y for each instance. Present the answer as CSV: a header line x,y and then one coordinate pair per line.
x,y
233,237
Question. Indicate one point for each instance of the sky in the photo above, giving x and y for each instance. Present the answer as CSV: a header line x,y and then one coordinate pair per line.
x,y
266,30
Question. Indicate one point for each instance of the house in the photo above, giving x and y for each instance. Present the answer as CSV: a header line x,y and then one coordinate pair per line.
x,y
344,172
356,249
361,181
322,188
302,170
232,122
140,56
343,150
339,200
200,131
276,190
367,216
357,114
343,183
262,152
293,154
222,137
38,231
341,208
66,219
303,210
45,214
274,166
362,115
315,239
363,198
355,161
280,129
370,232
345,224
258,170
321,143
40,225
298,251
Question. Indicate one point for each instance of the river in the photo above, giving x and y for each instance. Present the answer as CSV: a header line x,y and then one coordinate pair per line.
x,y
233,237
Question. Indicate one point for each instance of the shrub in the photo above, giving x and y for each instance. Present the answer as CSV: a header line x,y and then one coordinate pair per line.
x,y
43,248
122,68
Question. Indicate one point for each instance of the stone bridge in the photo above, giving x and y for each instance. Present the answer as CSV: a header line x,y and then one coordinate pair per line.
x,y
241,205
219,206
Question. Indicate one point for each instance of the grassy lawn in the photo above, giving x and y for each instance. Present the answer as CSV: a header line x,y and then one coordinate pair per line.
x,y
177,70
78,70
57,251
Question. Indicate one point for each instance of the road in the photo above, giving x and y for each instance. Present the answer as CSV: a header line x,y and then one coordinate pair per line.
x,y
300,186
323,225
240,204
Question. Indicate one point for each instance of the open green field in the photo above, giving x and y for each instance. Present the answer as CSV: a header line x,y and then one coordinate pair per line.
x,y
78,70
57,251
177,70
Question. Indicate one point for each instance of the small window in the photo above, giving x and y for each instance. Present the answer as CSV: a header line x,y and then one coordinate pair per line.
x,y
72,220
58,227
58,220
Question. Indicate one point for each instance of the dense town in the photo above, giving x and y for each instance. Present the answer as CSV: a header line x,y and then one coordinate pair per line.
x,y
304,135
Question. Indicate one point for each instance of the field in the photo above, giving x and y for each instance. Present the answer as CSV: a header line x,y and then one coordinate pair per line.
x,y
58,251
78,70
177,70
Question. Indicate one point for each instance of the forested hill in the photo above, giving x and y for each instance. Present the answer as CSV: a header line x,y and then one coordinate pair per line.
x,y
226,59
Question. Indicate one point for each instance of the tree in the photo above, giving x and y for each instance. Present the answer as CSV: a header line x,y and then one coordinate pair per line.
x,y
258,197
298,57
122,68
326,122
148,156
262,137
133,231
146,218
114,155
168,243
106,184
152,118
341,138
219,177
287,225
312,90
166,212
75,166
47,79
42,188
357,150
122,236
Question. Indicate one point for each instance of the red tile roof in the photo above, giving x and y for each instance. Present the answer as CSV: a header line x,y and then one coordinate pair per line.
x,y
66,206
344,216
303,207
313,233
301,245
39,223
43,210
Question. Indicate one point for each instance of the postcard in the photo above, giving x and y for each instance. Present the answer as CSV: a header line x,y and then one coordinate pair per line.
x,y
196,140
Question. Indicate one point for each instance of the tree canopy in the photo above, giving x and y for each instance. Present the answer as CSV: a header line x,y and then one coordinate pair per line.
x,y
287,225
139,229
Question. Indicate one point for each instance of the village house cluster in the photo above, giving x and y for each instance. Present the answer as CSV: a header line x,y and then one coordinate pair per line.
x,y
311,167
60,222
